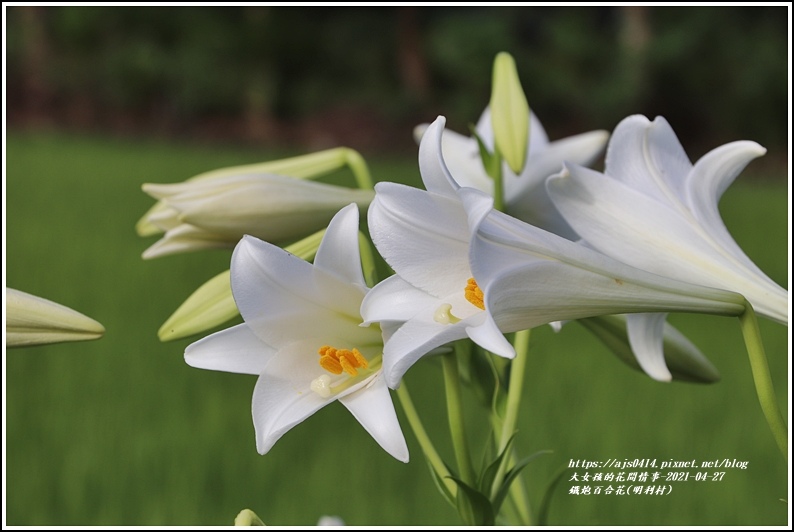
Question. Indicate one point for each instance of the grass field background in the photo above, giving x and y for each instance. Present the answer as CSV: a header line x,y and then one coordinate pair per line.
x,y
120,431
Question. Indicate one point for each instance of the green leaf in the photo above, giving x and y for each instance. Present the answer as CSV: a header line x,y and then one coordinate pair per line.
x,y
489,473
473,506
490,161
512,475
442,488
543,509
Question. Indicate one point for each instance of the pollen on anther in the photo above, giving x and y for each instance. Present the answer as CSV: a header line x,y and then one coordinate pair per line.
x,y
473,294
338,360
331,364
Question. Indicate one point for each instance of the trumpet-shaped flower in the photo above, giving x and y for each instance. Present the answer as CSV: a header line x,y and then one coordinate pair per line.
x,y
216,213
438,291
530,277
654,210
33,320
302,336
525,193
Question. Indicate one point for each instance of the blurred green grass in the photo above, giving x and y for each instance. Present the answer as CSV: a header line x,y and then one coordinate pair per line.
x,y
121,431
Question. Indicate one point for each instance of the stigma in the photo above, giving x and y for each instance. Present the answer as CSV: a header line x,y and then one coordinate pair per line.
x,y
473,294
444,316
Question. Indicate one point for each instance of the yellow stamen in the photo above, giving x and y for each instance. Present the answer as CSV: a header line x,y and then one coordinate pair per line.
x,y
331,364
337,360
473,294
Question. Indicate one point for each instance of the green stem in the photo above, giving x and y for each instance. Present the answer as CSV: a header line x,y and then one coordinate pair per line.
x,y
455,413
514,392
762,378
498,182
424,441
359,168
515,387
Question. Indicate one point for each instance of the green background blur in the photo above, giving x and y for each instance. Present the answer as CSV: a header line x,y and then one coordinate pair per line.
x,y
120,431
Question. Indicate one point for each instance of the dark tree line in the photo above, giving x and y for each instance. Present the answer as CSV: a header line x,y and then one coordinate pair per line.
x,y
329,75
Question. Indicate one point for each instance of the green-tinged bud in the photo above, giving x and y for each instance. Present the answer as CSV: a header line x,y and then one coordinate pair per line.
x,y
207,307
509,113
311,166
247,518
683,358
32,320
212,303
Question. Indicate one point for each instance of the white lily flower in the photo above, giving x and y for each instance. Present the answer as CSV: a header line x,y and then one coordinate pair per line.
x,y
525,193
426,238
530,277
528,200
216,213
654,210
33,320
302,336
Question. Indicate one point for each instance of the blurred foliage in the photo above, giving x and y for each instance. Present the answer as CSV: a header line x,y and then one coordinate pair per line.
x,y
716,73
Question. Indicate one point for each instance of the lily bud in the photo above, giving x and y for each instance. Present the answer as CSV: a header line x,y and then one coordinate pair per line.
x,y
510,113
32,320
248,518
213,304
218,212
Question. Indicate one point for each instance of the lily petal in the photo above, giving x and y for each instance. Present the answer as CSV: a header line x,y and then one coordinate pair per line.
x,y
279,295
373,408
646,233
435,174
394,299
530,277
417,337
283,397
683,359
648,157
236,350
711,176
436,228
645,336
623,222
339,251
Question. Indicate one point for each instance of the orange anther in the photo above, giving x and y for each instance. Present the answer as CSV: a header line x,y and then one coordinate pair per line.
x,y
331,364
338,360
473,294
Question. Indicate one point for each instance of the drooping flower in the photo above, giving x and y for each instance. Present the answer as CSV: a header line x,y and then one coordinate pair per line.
x,y
654,210
438,290
302,336
33,320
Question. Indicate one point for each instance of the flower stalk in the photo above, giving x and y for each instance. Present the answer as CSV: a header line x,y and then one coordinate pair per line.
x,y
455,412
762,379
433,458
